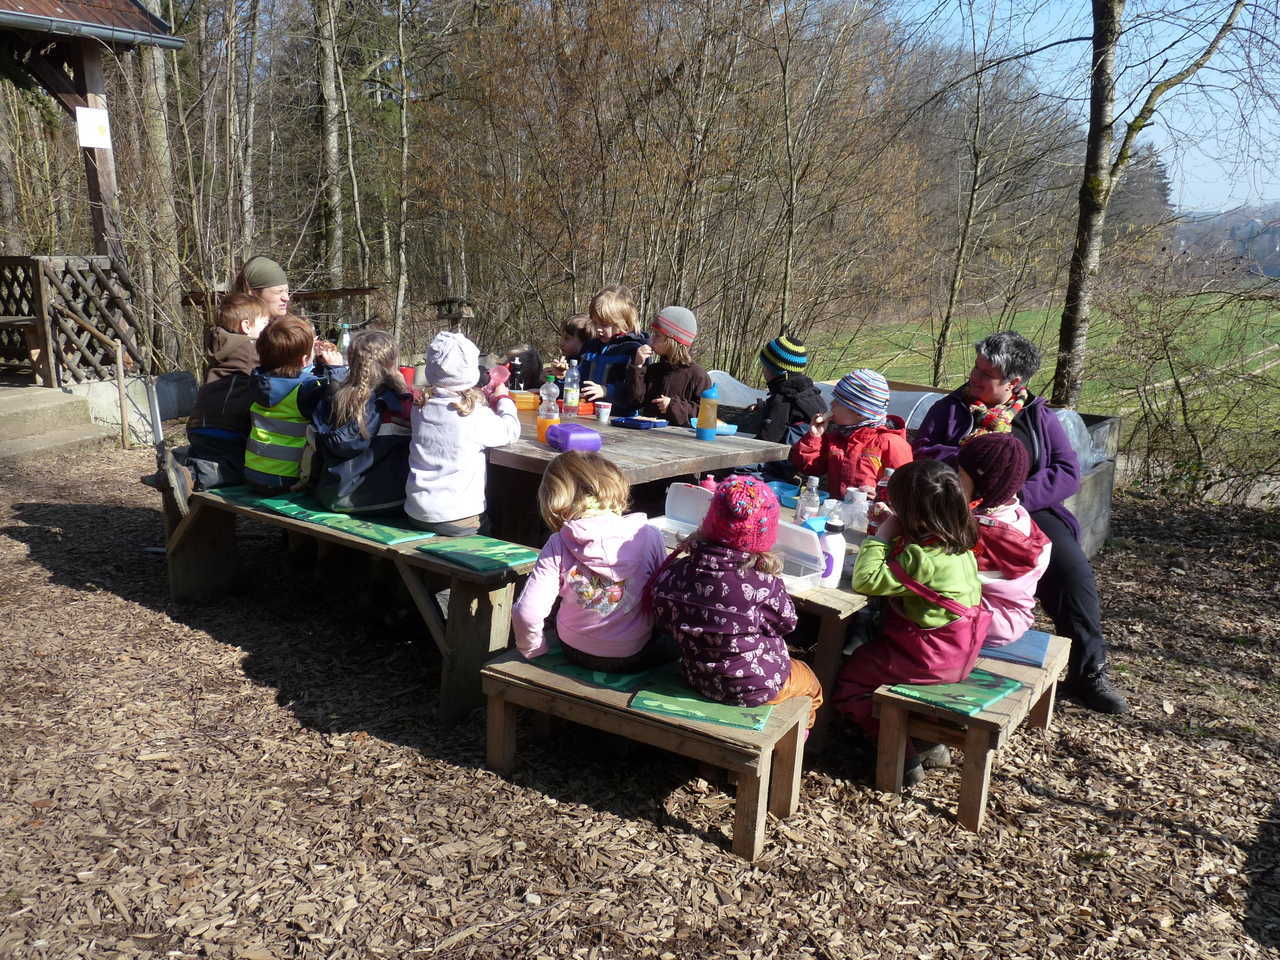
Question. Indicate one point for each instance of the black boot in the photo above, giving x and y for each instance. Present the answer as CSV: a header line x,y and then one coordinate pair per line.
x,y
1096,692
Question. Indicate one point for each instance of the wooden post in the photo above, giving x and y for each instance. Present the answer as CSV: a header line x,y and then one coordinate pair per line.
x,y
478,626
202,555
99,164
124,397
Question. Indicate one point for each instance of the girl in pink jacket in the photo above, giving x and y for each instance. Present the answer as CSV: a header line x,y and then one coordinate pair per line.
x,y
596,563
1012,552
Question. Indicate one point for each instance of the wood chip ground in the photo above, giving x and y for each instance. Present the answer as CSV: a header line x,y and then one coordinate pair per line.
x,y
265,778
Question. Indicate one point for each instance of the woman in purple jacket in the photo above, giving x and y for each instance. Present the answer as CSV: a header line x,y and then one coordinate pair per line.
x,y
996,400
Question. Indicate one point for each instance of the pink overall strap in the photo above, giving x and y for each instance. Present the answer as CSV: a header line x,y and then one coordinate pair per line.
x,y
928,593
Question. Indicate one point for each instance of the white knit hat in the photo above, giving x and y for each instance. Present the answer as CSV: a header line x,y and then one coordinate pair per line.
x,y
453,362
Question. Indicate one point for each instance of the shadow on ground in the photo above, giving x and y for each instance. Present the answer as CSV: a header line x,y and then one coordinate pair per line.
x,y
341,645
1262,909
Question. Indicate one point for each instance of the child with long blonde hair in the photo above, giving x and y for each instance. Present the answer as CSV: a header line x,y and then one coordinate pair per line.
x,y
361,430
616,336
727,607
596,563
452,426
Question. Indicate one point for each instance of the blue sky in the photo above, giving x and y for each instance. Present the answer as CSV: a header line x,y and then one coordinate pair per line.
x,y
1214,141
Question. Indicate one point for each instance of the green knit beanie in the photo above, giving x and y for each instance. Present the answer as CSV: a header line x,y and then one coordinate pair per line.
x,y
262,272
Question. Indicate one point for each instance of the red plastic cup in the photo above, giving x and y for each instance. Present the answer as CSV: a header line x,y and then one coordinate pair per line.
x,y
408,373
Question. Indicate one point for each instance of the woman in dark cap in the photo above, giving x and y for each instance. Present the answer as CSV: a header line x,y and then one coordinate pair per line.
x,y
996,400
264,278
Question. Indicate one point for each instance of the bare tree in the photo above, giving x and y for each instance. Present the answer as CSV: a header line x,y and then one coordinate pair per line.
x,y
1102,169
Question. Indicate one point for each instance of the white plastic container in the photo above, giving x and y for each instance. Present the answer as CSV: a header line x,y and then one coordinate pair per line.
x,y
833,550
799,548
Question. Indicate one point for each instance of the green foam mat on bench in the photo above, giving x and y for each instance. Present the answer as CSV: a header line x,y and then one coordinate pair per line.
x,y
302,506
661,690
972,695
479,553
626,682
670,696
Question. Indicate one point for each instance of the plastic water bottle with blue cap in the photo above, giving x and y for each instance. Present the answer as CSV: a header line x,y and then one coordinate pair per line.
x,y
708,413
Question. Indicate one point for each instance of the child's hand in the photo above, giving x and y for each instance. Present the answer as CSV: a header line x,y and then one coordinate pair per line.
x,y
662,403
643,353
818,425
331,357
558,367
889,527
591,392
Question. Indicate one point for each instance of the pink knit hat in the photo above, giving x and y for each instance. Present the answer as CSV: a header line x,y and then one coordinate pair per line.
x,y
743,515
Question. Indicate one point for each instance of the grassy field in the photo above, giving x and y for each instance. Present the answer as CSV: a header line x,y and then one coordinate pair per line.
x,y
1212,331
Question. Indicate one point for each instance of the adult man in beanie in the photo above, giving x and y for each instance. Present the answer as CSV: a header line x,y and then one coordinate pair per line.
x,y
671,387
783,416
265,279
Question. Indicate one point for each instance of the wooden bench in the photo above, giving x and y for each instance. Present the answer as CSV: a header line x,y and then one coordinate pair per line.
x,y
203,565
767,762
980,736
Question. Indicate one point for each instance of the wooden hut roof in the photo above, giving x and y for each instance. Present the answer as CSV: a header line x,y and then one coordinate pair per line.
x,y
117,22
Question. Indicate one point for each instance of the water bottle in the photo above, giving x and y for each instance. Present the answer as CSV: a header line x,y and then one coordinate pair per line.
x,y
548,411
572,388
344,339
833,548
708,413
853,510
882,496
809,503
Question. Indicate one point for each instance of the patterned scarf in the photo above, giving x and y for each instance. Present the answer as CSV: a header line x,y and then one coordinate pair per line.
x,y
996,419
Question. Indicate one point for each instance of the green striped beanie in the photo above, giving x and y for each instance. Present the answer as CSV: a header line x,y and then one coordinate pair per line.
x,y
784,353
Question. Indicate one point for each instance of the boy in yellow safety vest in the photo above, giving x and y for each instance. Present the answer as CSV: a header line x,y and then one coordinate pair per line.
x,y
287,388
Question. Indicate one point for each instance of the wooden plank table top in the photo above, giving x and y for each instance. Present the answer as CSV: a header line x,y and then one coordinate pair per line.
x,y
642,455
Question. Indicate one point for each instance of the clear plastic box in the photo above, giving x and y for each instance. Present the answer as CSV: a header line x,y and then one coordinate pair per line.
x,y
798,547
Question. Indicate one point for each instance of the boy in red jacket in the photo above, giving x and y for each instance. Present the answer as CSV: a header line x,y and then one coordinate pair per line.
x,y
856,440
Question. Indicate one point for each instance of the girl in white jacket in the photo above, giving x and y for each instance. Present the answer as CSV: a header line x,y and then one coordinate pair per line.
x,y
452,427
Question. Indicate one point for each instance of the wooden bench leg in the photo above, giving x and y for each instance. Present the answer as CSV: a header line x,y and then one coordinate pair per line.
x,y
826,665
891,751
976,778
750,809
784,778
478,626
426,603
500,734
202,556
1041,714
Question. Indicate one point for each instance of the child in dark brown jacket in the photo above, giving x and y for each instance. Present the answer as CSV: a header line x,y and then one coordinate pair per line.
x,y
671,387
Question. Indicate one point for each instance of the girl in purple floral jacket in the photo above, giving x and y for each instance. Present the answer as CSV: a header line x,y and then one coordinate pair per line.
x,y
726,607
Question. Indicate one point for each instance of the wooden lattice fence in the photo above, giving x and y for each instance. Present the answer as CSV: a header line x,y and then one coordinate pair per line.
x,y
46,304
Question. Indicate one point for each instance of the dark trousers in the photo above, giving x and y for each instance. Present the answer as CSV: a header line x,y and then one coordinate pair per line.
x,y
1069,595
213,461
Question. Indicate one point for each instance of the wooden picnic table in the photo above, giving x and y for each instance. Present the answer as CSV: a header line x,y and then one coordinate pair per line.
x,y
643,456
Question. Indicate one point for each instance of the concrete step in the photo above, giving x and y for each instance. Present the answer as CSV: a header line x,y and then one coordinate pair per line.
x,y
30,411
63,440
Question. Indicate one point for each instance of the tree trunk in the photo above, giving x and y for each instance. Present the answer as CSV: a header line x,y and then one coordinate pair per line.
x,y
245,120
330,133
164,216
402,264
1100,175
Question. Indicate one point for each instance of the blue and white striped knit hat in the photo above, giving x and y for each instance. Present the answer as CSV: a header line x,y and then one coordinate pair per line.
x,y
866,393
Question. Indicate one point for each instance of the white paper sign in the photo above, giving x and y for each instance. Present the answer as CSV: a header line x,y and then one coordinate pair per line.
x,y
94,128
